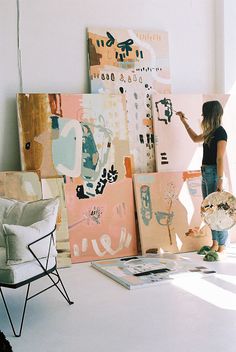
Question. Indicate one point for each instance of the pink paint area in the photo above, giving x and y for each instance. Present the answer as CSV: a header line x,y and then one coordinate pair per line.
x,y
103,226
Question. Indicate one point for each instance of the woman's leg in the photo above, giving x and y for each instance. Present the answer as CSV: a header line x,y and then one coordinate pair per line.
x,y
209,185
215,244
222,235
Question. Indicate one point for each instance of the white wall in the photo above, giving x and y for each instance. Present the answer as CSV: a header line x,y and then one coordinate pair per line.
x,y
229,46
54,53
219,47
9,85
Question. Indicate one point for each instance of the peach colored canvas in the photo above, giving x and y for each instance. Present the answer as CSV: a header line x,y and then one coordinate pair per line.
x,y
175,151
20,185
105,224
84,138
168,205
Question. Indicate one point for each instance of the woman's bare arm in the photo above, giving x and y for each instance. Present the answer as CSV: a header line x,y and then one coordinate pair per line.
x,y
221,147
193,135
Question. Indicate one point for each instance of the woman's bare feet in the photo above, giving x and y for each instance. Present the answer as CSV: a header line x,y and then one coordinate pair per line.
x,y
215,246
221,248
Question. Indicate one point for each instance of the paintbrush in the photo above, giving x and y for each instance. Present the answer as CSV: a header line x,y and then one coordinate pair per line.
x,y
177,111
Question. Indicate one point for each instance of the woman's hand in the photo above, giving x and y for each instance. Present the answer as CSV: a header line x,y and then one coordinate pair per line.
x,y
181,116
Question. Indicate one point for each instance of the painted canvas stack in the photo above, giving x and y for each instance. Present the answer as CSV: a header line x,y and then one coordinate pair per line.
x,y
118,158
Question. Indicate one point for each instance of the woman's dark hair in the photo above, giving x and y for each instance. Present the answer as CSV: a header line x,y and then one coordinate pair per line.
x,y
212,112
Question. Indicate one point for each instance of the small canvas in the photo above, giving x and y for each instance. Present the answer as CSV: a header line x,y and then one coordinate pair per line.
x,y
20,185
135,64
219,210
168,206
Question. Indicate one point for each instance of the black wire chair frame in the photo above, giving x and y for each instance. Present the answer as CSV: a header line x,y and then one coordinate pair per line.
x,y
51,273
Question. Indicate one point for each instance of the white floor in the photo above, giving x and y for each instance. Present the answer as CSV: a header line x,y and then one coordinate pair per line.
x,y
197,315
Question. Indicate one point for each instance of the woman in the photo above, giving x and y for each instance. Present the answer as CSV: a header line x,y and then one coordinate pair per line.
x,y
214,138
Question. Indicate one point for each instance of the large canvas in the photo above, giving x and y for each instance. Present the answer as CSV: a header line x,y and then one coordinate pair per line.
x,y
174,149
84,138
20,185
168,205
54,187
136,64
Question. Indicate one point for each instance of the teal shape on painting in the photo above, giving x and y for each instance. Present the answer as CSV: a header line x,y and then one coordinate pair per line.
x,y
164,218
146,206
63,148
89,149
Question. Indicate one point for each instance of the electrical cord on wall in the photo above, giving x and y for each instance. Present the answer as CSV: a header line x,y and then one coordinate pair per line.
x,y
18,47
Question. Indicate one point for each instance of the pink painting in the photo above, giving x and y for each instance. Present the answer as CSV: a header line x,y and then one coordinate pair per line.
x,y
168,205
105,223
84,138
174,150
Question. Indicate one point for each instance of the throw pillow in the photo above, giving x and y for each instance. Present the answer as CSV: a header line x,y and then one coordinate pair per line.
x,y
18,237
21,215
15,212
5,204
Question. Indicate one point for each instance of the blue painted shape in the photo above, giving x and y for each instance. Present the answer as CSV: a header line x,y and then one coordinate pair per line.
x,y
163,218
63,148
146,206
89,149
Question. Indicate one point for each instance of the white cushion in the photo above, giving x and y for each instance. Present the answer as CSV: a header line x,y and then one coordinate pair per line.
x,y
24,222
4,205
13,274
18,237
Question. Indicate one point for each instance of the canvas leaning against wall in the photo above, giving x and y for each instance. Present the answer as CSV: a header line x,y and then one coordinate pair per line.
x,y
24,186
27,186
136,64
174,149
84,138
168,205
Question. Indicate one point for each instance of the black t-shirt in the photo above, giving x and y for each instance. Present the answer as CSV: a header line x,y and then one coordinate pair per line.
x,y
210,152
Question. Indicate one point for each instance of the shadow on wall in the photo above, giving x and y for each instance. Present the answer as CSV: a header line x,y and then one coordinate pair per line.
x,y
9,147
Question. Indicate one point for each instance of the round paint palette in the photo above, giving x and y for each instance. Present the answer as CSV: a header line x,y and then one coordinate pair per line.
x,y
218,210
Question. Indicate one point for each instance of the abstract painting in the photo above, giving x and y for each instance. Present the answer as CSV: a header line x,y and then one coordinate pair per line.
x,y
135,64
174,149
168,206
219,210
84,139
20,185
